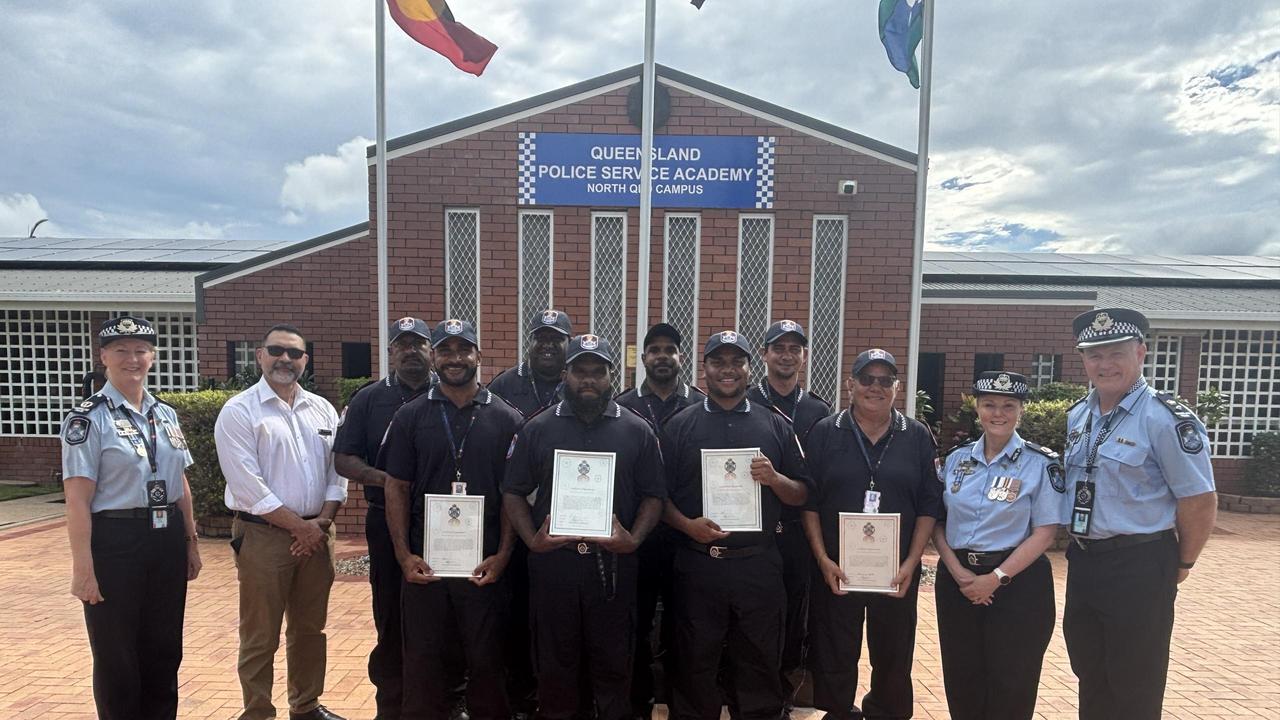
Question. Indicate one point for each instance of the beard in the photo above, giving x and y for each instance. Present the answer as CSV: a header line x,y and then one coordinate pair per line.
x,y
587,406
467,376
664,373
284,373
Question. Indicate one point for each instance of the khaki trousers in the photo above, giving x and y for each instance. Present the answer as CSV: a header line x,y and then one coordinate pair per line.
x,y
274,585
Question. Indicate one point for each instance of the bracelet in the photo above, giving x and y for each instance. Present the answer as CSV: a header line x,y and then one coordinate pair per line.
x,y
1186,565
192,538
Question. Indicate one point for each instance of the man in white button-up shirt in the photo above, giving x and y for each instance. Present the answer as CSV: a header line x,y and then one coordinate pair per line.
x,y
275,445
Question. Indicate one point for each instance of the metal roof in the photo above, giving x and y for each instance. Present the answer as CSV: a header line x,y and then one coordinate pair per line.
x,y
96,286
113,251
1102,268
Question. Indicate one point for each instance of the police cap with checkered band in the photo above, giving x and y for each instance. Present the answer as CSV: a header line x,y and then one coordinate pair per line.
x,y
1109,325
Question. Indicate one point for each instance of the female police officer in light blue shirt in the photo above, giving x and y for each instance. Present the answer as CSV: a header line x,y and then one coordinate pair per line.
x,y
132,530
994,590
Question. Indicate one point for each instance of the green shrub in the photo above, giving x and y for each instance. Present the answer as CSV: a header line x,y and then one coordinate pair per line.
x,y
1211,406
1058,391
1262,470
197,412
1044,422
348,387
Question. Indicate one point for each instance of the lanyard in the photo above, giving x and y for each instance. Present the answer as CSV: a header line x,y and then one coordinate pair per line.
x,y
1091,457
767,391
457,447
862,445
151,447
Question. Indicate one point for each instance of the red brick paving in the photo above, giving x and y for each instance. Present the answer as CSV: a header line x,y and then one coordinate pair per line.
x,y
1225,663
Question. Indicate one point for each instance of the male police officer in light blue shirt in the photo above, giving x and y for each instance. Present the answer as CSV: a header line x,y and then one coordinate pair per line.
x,y
1140,505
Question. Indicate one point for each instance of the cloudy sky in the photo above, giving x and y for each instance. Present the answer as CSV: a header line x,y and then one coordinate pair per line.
x,y
1142,127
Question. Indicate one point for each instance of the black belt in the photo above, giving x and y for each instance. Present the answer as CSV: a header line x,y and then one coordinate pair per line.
x,y
983,559
250,517
721,552
1120,541
131,513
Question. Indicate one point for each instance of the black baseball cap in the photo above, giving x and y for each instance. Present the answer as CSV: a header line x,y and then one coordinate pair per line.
x,y
782,327
874,355
126,327
557,320
407,324
1109,325
662,330
727,337
588,344
454,328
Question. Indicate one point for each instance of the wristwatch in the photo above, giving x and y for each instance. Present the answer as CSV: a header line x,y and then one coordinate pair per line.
x,y
1005,578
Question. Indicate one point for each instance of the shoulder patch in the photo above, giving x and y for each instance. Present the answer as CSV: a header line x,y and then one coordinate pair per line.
x,y
1180,411
1047,452
77,430
511,449
1057,478
1189,437
89,403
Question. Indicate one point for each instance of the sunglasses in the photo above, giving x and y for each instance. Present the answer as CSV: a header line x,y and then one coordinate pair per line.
x,y
886,381
293,353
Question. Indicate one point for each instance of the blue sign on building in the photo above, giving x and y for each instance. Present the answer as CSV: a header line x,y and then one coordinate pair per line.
x,y
703,171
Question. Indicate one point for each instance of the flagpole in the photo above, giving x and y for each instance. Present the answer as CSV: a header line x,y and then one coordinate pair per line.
x,y
383,319
648,81
922,183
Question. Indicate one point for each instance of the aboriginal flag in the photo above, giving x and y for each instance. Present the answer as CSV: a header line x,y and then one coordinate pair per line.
x,y
431,23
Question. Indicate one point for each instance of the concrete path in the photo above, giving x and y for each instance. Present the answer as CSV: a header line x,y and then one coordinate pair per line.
x,y
31,509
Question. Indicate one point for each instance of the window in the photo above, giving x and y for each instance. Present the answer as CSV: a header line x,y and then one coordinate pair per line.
x,y
1045,368
241,358
755,281
826,305
681,263
1162,363
356,360
609,283
44,355
986,362
1242,365
535,258
176,368
462,266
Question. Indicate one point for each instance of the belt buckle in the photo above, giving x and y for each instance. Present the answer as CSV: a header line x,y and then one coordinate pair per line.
x,y
582,548
716,550
973,558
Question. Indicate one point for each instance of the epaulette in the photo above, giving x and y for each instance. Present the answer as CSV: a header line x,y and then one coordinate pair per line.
x,y
506,402
633,411
1170,403
1074,404
961,446
818,397
1047,452
89,403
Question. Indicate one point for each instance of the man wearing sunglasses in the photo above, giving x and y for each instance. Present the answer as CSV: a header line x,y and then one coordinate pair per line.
x,y
275,444
868,458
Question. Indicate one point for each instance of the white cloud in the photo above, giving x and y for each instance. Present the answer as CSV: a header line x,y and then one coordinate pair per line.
x,y
327,184
18,212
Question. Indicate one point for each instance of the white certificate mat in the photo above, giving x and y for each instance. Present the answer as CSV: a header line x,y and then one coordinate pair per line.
x,y
869,551
730,498
453,534
582,494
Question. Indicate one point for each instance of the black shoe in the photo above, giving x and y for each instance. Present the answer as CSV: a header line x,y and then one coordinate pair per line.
x,y
459,710
319,713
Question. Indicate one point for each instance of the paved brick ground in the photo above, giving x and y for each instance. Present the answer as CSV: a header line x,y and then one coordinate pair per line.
x,y
1225,664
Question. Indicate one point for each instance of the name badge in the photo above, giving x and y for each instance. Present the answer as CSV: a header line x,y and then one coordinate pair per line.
x,y
871,502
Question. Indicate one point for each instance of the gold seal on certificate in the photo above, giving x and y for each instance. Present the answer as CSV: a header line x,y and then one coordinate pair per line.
x,y
869,551
453,534
582,494
730,498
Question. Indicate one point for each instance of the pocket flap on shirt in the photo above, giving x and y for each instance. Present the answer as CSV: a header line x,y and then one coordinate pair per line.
x,y
1126,454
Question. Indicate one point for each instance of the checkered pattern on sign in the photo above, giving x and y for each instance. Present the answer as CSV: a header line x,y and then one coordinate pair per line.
x,y
764,171
526,156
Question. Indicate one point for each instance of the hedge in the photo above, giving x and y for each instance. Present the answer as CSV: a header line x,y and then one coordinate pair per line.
x,y
197,412
348,387
1044,422
1262,469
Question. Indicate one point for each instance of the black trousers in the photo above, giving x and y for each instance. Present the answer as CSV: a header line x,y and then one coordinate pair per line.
x,y
583,629
992,654
835,645
136,631
655,558
797,574
385,666
1117,623
522,687
731,607
442,615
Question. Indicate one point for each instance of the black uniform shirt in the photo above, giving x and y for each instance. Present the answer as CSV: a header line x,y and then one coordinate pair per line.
x,y
637,470
907,478
709,427
656,410
418,451
520,387
801,407
364,423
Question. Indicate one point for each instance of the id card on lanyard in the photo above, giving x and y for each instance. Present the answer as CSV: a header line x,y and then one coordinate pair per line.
x,y
871,499
1086,491
147,446
458,486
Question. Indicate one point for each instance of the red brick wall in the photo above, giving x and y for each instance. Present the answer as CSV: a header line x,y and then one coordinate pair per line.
x,y
30,458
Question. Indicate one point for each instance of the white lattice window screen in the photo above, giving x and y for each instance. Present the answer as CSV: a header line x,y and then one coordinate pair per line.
x,y
609,284
536,245
462,265
44,355
1163,362
1043,369
176,367
826,305
243,356
755,281
681,261
1242,365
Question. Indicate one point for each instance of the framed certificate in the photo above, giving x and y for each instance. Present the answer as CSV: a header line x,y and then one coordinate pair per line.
x,y
869,551
453,534
582,494
730,498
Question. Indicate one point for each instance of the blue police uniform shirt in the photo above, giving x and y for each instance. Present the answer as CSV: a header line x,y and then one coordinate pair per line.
x,y
1150,460
94,447
976,521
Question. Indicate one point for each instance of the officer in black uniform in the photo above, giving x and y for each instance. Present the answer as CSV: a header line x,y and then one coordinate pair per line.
x,y
584,590
451,441
355,456
660,396
784,353
868,458
535,382
730,596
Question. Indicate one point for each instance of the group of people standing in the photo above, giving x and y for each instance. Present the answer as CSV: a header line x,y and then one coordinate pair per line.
x,y
564,627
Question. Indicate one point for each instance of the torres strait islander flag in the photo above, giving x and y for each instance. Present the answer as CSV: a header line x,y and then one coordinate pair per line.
x,y
431,23
901,27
